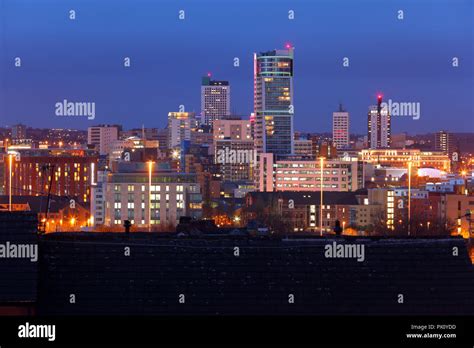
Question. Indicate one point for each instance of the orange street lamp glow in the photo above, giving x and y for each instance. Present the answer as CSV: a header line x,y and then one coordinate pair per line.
x,y
10,164
409,196
150,166
321,160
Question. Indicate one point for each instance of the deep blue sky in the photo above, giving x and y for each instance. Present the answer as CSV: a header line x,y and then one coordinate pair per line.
x,y
82,60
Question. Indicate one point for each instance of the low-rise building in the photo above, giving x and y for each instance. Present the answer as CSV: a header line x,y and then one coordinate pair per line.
x,y
301,211
302,174
130,196
400,158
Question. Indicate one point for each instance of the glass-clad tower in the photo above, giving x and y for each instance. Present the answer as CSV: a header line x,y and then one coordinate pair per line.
x,y
273,101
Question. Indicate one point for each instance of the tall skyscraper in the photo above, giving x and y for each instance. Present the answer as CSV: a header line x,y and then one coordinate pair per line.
x,y
379,126
215,100
444,142
340,128
273,101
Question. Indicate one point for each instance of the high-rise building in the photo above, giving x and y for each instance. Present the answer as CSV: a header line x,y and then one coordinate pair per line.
x,y
340,128
444,142
102,137
215,100
273,101
379,126
179,128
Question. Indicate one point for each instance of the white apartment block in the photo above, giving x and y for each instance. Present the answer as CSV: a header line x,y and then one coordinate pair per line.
x,y
129,196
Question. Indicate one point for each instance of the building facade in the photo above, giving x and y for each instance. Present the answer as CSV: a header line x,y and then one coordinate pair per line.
x,y
444,142
301,211
70,172
179,128
236,159
215,100
102,137
304,147
300,174
379,126
232,129
399,158
273,101
340,128
129,196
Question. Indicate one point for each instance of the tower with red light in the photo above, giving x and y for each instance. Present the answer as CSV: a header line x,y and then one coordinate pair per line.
x,y
379,125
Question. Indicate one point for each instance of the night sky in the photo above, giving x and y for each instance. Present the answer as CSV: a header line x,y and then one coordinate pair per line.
x,y
82,60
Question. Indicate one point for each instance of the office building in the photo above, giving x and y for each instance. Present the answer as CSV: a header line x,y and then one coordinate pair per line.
x,y
301,174
215,100
444,142
236,159
340,128
303,147
129,196
102,136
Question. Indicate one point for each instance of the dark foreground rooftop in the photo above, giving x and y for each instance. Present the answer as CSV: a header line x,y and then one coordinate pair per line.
x,y
434,276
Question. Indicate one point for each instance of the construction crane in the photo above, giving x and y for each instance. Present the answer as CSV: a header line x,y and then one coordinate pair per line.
x,y
44,169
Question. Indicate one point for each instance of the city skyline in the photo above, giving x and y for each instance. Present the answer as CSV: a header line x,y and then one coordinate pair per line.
x,y
73,65
238,158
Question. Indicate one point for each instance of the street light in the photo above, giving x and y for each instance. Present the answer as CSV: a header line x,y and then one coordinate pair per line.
x,y
10,165
463,174
150,165
409,196
321,162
